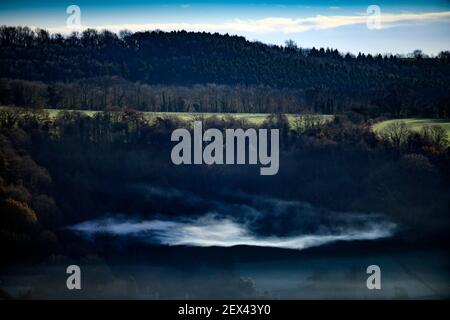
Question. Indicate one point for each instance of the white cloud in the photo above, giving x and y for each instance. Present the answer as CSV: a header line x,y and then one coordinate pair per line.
x,y
280,24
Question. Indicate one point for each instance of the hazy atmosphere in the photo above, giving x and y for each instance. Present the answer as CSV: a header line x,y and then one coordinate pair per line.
x,y
185,150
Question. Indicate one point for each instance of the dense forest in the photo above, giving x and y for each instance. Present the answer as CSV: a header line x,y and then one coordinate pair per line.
x,y
203,72
56,172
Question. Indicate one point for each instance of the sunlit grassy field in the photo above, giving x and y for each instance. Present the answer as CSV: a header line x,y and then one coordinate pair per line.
x,y
252,118
414,124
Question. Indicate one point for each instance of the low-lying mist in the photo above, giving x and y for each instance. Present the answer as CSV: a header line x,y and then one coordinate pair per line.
x,y
238,219
211,230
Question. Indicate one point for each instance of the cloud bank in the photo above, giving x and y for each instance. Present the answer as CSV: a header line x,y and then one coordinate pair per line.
x,y
278,24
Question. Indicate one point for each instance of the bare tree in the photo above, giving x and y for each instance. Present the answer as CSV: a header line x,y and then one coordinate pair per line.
x,y
435,135
396,133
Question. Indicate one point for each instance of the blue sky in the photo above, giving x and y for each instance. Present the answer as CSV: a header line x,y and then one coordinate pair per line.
x,y
403,25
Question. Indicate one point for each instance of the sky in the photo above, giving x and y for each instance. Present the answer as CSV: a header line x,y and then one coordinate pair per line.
x,y
371,26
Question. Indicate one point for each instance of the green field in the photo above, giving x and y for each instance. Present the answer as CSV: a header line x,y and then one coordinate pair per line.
x,y
414,124
252,118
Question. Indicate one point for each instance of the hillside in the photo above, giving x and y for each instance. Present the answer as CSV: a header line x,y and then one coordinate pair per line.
x,y
296,79
415,125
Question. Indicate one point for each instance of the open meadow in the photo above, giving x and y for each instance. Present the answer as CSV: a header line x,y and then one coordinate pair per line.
x,y
414,124
252,118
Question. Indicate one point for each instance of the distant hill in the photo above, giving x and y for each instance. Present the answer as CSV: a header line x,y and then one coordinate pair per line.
x,y
323,80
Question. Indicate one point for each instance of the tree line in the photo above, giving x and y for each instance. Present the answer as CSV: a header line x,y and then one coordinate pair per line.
x,y
119,94
323,80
